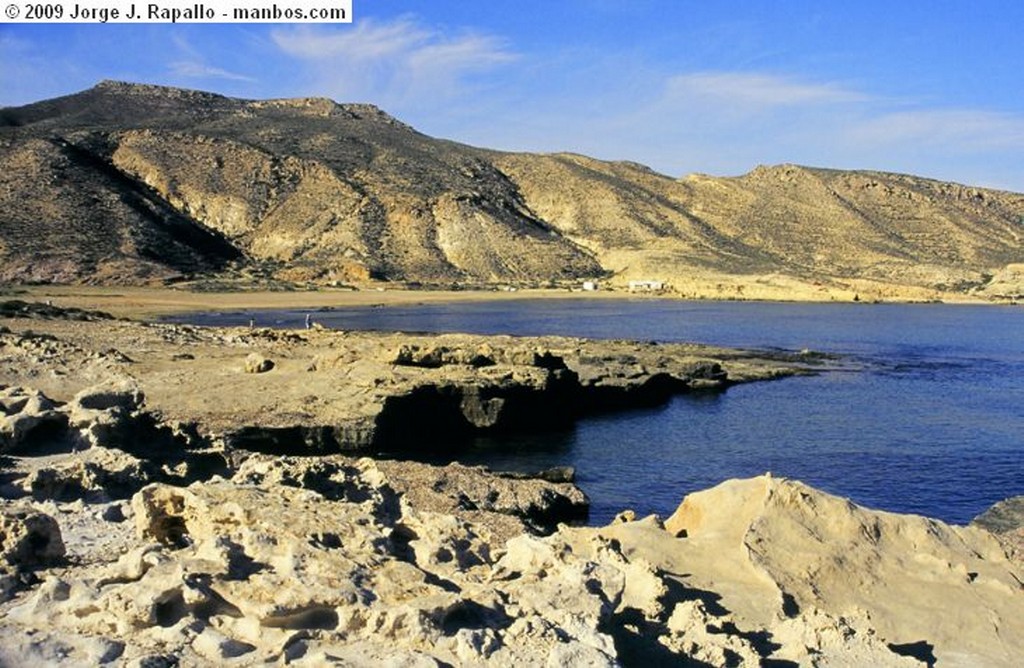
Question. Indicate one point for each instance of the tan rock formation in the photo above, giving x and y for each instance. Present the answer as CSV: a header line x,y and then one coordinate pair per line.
x,y
303,563
776,548
333,391
29,538
128,537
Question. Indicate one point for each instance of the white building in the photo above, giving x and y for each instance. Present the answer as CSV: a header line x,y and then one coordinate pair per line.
x,y
646,286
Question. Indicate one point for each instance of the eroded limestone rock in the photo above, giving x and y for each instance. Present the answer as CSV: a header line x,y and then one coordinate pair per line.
x,y
97,474
239,568
104,414
29,538
310,560
27,416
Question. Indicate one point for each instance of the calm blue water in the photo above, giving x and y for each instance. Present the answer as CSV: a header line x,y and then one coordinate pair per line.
x,y
934,424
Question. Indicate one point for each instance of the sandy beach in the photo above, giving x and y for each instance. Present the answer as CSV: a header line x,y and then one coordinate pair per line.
x,y
145,302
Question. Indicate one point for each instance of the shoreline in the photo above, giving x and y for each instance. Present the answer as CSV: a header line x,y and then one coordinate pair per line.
x,y
142,524
152,303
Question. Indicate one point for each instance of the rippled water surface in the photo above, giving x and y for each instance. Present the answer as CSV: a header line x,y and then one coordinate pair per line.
x,y
934,424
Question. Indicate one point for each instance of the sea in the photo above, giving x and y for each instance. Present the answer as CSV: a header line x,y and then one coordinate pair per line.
x,y
924,413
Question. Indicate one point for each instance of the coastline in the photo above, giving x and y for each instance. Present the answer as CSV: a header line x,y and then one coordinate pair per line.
x,y
143,303
142,523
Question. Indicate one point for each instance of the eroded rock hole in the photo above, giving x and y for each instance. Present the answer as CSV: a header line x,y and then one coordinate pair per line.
x,y
472,615
170,611
313,618
171,531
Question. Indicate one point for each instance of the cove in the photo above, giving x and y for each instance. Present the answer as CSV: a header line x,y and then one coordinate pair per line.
x,y
932,422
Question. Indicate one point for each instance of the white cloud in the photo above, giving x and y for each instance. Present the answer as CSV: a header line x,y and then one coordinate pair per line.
x,y
753,90
367,40
960,130
728,122
472,52
197,70
193,65
401,65
12,44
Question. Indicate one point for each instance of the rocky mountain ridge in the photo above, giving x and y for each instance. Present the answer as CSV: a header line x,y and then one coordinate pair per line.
x,y
129,183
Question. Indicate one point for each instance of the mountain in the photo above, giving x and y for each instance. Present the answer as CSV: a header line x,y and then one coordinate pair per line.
x,y
133,183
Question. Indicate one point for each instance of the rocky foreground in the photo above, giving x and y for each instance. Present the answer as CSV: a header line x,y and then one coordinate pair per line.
x,y
141,526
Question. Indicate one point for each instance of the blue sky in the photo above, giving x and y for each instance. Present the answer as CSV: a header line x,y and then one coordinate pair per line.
x,y
934,88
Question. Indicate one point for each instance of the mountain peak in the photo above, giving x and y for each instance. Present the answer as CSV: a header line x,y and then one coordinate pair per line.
x,y
113,86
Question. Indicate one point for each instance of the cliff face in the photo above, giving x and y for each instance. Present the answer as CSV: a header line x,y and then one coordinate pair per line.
x,y
128,182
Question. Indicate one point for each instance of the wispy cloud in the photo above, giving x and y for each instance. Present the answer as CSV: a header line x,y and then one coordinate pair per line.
x,y
962,130
401,64
367,40
192,69
753,90
193,64
726,122
470,52
10,43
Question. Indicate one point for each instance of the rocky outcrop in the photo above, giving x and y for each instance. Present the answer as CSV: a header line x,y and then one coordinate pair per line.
x,y
293,559
137,526
27,416
101,445
308,561
107,413
318,391
1006,521
29,538
778,550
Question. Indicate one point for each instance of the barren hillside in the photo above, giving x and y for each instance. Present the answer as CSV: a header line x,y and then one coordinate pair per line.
x,y
785,226
134,183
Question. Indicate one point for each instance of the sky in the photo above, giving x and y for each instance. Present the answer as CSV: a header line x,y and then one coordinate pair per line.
x,y
927,87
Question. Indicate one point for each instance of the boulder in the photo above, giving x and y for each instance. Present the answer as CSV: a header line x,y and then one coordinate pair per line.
x,y
257,363
775,549
106,414
29,538
28,418
121,394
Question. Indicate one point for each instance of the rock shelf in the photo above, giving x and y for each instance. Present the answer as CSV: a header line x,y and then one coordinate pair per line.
x,y
319,391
